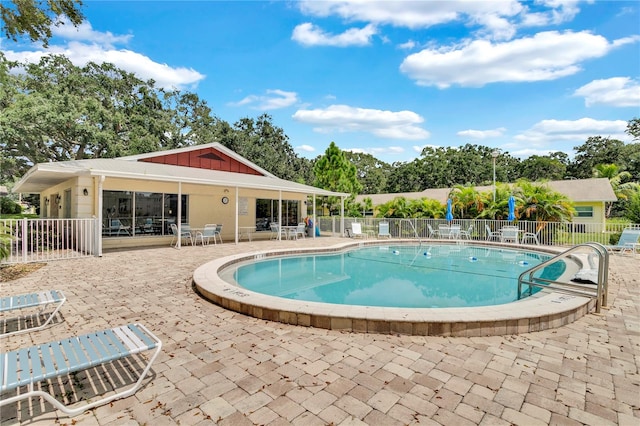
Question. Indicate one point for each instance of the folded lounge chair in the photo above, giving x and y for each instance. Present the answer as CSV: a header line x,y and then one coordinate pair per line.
x,y
25,301
28,366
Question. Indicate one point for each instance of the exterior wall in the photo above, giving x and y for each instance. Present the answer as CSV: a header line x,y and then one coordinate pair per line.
x,y
598,212
207,158
205,206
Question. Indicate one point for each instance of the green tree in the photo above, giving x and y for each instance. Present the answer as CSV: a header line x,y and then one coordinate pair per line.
x,y
372,173
335,173
633,128
596,150
551,167
467,200
540,203
265,144
617,178
428,208
34,18
633,208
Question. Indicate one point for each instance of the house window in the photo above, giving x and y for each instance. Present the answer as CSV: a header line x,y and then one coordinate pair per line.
x,y
584,211
127,213
267,212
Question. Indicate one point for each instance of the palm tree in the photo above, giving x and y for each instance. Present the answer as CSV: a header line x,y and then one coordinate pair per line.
x,y
623,190
542,204
428,207
467,200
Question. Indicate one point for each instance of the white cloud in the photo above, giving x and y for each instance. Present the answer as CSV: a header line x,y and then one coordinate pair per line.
x,y
85,44
497,20
491,16
549,133
383,124
482,134
86,33
274,99
559,11
616,91
311,35
305,148
408,45
545,56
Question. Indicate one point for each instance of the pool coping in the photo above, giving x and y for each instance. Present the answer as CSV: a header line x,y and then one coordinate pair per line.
x,y
545,310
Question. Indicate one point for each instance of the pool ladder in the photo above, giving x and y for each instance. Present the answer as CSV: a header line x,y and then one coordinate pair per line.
x,y
585,290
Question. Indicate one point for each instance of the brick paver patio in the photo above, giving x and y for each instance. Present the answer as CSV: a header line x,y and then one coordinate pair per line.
x,y
220,367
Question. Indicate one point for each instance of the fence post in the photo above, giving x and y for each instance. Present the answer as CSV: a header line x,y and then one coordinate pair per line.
x,y
24,239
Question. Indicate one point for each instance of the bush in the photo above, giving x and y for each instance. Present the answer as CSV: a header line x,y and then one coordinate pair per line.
x,y
8,206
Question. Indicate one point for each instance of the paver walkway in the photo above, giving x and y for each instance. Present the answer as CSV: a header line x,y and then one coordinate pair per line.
x,y
220,367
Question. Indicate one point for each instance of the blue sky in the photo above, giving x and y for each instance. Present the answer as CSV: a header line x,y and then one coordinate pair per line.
x,y
386,77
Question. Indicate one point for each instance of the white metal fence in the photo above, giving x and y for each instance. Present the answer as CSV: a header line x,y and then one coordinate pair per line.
x,y
548,233
43,240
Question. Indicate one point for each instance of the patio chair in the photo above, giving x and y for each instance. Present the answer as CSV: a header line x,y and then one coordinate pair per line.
x,y
298,230
25,301
39,363
147,226
275,231
531,236
218,233
185,234
492,234
116,227
356,230
466,233
432,232
383,230
629,240
208,232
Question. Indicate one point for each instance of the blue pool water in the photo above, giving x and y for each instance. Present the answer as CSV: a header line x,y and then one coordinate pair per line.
x,y
434,276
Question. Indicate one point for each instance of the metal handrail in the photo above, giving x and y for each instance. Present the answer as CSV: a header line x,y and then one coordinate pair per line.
x,y
601,286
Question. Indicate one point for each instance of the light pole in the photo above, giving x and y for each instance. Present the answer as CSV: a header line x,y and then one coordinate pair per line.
x,y
494,155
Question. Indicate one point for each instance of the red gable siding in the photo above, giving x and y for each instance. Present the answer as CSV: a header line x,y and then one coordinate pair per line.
x,y
207,158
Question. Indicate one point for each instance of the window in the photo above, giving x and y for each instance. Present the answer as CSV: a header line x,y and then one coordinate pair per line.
x,y
584,211
267,212
127,213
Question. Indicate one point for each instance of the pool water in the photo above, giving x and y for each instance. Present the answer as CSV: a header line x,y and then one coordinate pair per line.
x,y
435,276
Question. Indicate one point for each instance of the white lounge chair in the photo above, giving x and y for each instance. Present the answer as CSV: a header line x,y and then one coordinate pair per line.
x,y
383,230
25,301
433,233
28,366
356,230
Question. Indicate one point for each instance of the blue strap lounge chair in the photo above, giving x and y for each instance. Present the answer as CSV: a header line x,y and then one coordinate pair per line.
x,y
629,241
29,366
25,301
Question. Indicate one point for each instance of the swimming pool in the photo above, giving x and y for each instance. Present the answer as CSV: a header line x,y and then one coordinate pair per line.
x,y
422,276
544,310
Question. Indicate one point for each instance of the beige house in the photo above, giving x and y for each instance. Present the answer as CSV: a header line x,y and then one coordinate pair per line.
x,y
137,198
588,195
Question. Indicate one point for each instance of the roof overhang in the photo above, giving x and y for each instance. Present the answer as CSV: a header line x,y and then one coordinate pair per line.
x,y
45,175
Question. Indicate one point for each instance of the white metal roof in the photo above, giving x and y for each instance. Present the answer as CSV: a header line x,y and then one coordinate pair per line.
x,y
44,175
